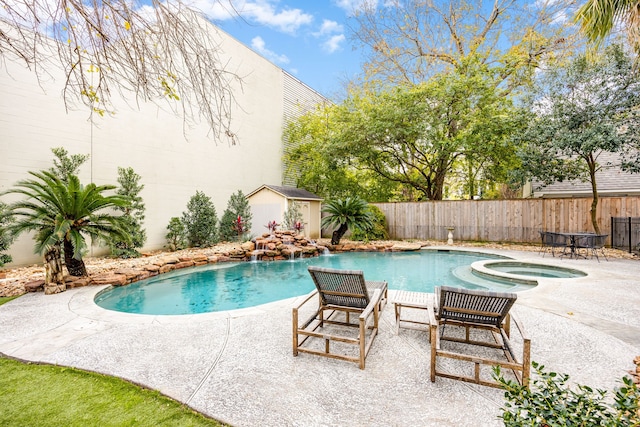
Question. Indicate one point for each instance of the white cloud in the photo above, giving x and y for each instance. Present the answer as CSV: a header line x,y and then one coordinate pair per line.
x,y
333,43
329,27
258,44
328,31
260,11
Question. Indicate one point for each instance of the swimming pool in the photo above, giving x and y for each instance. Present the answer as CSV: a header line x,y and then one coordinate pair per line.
x,y
229,286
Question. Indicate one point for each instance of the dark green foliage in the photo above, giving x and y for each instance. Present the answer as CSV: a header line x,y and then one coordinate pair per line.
x,y
379,229
549,401
5,237
581,112
346,214
176,235
200,221
133,215
62,212
65,165
236,219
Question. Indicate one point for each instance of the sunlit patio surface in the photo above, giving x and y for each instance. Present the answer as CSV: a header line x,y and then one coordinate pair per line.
x,y
238,366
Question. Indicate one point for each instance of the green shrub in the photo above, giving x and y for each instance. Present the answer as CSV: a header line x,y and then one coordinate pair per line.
x,y
132,216
236,219
549,401
200,221
292,219
379,229
176,236
5,237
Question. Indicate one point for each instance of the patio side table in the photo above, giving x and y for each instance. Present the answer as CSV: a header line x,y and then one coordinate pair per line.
x,y
415,301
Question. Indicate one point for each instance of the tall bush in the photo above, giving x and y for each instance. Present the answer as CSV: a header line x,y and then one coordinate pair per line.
x,y
236,219
133,215
378,231
201,221
176,234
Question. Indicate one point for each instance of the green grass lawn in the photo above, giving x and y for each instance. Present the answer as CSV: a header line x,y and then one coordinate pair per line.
x,y
46,395
7,299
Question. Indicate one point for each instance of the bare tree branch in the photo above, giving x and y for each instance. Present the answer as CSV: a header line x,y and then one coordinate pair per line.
x,y
162,52
412,40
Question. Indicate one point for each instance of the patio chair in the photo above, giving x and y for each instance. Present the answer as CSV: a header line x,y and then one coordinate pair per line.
x,y
474,315
340,294
551,241
592,244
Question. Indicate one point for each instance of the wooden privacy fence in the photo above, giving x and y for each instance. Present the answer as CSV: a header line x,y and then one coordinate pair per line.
x,y
502,220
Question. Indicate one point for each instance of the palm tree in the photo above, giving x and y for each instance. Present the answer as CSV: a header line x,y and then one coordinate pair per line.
x,y
350,213
61,213
598,17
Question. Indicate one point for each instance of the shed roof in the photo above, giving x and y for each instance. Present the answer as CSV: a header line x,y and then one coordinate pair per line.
x,y
288,192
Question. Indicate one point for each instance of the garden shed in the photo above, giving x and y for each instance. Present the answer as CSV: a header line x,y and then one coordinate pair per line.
x,y
270,202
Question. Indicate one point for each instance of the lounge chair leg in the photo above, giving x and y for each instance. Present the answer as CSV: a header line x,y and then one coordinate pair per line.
x,y
433,332
295,332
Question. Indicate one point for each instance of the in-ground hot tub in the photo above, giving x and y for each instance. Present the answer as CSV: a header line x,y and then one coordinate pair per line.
x,y
523,272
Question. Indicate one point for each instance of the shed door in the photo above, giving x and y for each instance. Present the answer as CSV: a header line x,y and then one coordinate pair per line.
x,y
305,210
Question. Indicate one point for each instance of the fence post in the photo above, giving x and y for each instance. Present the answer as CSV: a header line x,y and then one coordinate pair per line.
x,y
630,235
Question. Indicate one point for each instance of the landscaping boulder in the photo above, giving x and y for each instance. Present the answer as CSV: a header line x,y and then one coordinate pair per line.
x,y
34,286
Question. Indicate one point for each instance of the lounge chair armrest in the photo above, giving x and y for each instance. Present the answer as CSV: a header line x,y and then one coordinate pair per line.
x,y
518,324
431,312
373,302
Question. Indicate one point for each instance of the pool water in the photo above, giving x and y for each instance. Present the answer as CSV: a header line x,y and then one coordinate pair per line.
x,y
229,286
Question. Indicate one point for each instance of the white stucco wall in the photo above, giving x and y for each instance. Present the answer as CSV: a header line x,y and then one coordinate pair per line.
x,y
150,140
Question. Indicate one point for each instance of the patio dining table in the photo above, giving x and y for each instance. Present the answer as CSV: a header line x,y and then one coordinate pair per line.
x,y
573,238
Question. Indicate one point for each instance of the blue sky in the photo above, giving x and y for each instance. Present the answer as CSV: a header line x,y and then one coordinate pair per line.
x,y
309,39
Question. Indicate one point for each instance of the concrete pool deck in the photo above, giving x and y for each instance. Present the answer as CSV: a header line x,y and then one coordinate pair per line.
x,y
238,366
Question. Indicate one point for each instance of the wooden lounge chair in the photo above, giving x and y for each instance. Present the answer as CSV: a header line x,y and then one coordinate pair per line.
x,y
340,294
468,311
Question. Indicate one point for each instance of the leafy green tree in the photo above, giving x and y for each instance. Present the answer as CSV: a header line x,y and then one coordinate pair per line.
x,y
583,110
346,214
132,215
236,219
176,234
62,213
378,230
418,135
5,237
200,221
65,164
314,160
550,401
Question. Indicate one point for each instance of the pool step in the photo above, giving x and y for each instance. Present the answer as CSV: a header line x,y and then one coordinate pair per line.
x,y
466,274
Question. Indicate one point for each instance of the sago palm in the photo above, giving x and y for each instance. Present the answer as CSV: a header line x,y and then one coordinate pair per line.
x,y
61,213
346,214
597,18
